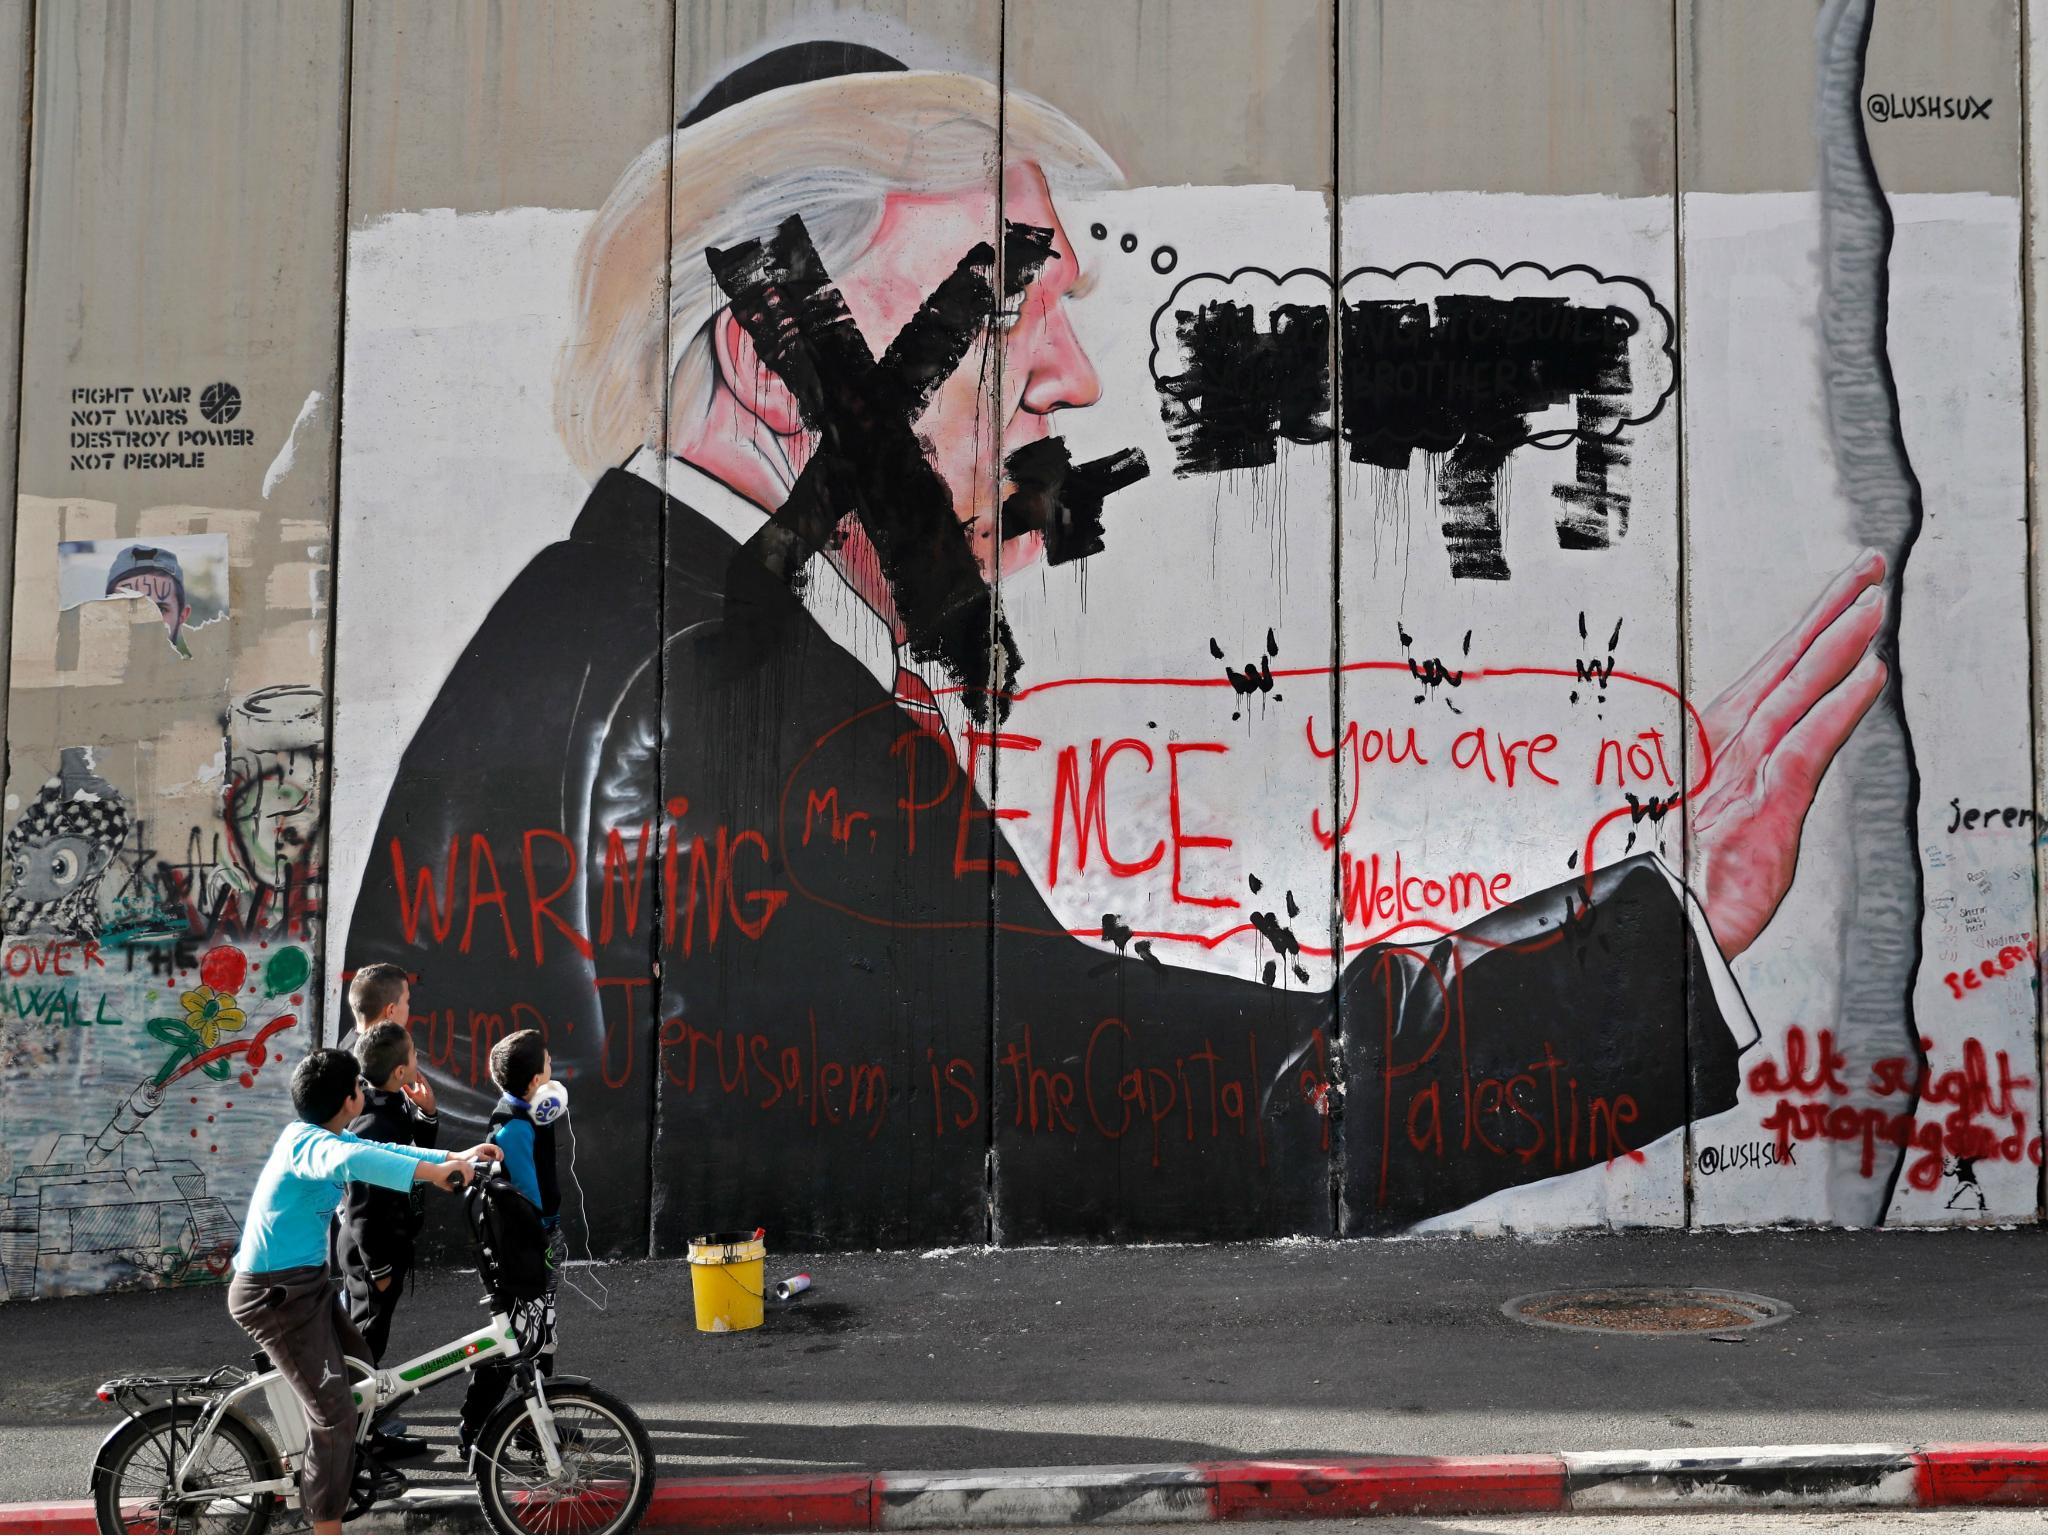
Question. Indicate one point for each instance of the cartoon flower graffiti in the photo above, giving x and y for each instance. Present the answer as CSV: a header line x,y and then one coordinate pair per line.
x,y
210,1014
213,1009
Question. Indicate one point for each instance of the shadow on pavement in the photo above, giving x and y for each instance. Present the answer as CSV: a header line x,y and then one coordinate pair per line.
x,y
714,1448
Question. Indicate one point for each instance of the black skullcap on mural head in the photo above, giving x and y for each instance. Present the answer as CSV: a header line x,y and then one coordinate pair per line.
x,y
797,64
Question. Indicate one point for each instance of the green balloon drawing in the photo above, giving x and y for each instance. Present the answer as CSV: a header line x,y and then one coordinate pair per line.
x,y
286,971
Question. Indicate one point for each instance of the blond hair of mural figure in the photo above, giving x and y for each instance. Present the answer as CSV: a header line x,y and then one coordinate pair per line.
x,y
891,173
756,712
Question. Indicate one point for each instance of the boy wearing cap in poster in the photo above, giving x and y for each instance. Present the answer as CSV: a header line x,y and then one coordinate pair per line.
x,y
147,571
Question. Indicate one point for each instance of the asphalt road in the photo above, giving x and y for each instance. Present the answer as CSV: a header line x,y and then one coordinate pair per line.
x,y
1037,1357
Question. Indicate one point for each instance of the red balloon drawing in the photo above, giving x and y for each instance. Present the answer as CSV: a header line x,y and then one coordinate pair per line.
x,y
224,969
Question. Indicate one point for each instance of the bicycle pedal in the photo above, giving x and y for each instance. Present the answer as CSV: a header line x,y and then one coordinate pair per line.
x,y
386,1481
371,1482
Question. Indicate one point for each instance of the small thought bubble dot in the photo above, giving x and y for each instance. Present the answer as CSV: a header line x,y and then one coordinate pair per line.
x,y
1165,259
1099,231
1128,244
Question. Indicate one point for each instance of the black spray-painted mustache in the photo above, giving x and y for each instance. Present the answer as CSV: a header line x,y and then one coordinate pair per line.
x,y
1053,495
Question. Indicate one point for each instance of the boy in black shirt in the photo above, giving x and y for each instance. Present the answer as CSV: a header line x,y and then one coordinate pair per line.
x,y
375,1228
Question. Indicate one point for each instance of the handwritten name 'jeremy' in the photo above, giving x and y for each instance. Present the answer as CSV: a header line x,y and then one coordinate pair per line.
x,y
1987,816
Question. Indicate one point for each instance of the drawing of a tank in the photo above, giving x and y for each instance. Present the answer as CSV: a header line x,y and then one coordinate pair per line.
x,y
87,1207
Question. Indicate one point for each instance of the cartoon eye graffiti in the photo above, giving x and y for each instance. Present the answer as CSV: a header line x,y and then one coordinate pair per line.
x,y
64,866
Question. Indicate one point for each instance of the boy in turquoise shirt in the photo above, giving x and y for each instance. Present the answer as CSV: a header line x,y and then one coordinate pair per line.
x,y
283,1294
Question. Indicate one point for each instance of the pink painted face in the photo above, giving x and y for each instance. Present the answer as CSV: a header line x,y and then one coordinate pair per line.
x,y
1044,369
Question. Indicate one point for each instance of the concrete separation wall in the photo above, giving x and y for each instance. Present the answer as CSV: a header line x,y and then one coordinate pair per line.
x,y
1090,621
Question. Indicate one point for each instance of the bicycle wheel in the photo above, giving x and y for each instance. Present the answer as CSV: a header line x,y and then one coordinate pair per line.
x,y
131,1481
607,1473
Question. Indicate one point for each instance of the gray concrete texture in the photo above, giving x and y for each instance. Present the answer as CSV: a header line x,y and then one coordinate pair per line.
x,y
1556,96
1208,94
16,82
184,219
1961,48
1044,1357
184,229
1746,94
476,106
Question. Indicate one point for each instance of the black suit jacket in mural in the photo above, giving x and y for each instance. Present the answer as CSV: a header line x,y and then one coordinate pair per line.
x,y
789,965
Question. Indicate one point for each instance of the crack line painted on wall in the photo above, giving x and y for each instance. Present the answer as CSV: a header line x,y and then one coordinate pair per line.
x,y
1881,949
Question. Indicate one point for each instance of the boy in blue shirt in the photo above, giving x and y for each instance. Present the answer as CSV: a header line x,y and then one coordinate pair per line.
x,y
283,1294
520,1065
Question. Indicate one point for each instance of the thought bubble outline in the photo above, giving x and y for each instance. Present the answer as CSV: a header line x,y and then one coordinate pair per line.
x,y
1550,438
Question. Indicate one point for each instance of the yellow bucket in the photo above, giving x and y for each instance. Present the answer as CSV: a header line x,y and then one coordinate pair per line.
x,y
725,1278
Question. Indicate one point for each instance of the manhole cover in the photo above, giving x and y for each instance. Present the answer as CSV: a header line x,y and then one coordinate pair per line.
x,y
1647,1309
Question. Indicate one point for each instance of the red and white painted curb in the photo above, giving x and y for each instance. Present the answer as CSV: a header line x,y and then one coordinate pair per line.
x,y
1196,1493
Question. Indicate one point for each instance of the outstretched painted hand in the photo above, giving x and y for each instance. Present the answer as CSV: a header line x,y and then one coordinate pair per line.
x,y
1772,736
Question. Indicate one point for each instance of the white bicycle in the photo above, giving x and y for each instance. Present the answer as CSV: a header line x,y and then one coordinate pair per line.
x,y
559,1454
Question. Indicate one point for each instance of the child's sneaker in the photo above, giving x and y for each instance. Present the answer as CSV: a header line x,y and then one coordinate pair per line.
x,y
389,1443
